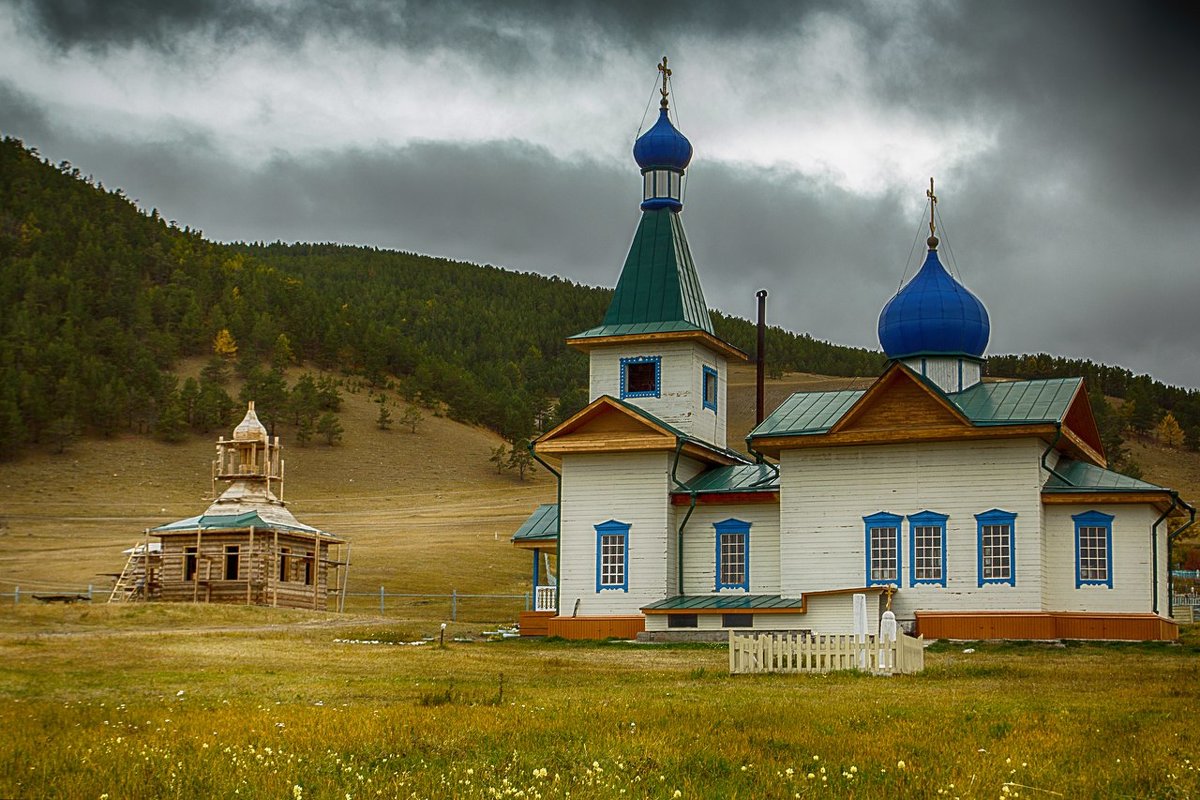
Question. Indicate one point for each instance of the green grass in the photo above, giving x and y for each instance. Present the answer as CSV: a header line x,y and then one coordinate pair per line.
x,y
169,702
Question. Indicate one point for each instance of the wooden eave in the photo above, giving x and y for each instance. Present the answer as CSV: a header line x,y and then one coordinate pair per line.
x,y
533,544
880,409
589,343
772,445
1160,500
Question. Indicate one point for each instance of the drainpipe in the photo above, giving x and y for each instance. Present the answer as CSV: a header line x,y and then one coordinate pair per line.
x,y
1050,449
1171,538
691,507
1154,553
558,533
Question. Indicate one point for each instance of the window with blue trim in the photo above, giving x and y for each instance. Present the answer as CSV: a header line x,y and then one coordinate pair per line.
x,y
997,547
1093,549
883,549
612,555
709,388
733,554
927,548
641,376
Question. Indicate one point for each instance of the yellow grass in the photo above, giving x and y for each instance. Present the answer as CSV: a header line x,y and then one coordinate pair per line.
x,y
168,701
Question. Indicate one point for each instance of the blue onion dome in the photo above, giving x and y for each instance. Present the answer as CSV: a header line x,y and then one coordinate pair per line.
x,y
663,146
934,315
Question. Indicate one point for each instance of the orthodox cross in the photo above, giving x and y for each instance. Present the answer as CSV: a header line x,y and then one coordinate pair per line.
x,y
666,73
932,203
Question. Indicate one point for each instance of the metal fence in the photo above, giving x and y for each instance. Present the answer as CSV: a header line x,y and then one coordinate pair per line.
x,y
468,607
68,594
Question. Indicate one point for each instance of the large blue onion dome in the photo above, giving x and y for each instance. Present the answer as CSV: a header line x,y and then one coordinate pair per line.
x,y
934,314
663,146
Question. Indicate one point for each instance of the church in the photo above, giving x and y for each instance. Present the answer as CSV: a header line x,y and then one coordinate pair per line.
x,y
975,508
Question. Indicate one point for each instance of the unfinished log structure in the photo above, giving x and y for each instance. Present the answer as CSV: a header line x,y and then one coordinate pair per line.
x,y
247,547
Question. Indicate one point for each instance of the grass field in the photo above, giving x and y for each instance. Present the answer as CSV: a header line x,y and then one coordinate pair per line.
x,y
180,701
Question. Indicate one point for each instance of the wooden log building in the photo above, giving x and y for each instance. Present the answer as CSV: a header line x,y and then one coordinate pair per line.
x,y
247,547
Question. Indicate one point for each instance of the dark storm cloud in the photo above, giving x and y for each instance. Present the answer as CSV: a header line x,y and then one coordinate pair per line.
x,y
493,31
21,115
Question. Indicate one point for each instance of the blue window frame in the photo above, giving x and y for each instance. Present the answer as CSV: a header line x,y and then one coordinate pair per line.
x,y
733,554
708,388
1093,549
997,547
927,548
612,556
641,376
883,549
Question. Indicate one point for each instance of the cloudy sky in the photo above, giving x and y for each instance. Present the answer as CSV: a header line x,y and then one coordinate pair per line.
x,y
1063,136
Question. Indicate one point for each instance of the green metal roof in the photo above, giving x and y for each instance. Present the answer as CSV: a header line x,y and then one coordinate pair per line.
x,y
542,525
1076,476
807,413
724,602
1004,403
735,478
1017,402
658,284
249,519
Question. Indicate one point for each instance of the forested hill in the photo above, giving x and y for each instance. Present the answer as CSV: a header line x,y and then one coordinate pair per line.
x,y
100,300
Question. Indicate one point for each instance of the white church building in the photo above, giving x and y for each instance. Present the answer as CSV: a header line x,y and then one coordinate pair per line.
x,y
984,509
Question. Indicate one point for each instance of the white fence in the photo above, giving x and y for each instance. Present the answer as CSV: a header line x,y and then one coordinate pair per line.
x,y
806,652
544,598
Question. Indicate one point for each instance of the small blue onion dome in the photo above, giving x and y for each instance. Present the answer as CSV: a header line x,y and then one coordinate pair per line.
x,y
662,147
934,314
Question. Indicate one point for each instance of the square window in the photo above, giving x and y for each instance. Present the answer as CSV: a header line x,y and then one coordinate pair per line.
x,y
683,621
737,620
641,376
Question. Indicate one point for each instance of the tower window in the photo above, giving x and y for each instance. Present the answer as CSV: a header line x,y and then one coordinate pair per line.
x,y
641,376
710,388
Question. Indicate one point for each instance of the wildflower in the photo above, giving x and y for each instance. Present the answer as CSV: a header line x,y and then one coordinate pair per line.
x,y
179,693
790,772
811,776
298,792
899,765
677,793
853,769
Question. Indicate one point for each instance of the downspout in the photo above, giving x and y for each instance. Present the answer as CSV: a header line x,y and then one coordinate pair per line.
x,y
1154,553
558,532
1171,538
691,507
1050,449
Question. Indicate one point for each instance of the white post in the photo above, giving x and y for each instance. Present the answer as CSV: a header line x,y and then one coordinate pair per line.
x,y
860,628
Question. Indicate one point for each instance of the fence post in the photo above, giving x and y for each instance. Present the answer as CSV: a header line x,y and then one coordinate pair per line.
x,y
380,599
528,607
454,605
89,593
16,595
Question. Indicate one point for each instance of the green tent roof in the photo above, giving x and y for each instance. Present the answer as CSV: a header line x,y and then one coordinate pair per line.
x,y
1076,476
249,519
1003,403
658,290
542,525
735,478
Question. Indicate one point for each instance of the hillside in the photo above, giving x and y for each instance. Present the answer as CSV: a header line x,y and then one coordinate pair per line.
x,y
425,512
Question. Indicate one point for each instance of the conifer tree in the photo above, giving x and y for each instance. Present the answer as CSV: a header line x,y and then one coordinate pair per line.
x,y
1168,432
384,419
329,427
224,345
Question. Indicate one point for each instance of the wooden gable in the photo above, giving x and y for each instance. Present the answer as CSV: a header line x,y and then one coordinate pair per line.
x,y
1080,429
900,402
604,426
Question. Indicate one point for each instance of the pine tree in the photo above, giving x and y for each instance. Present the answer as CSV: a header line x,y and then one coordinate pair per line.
x,y
172,425
499,457
384,420
412,417
520,459
329,427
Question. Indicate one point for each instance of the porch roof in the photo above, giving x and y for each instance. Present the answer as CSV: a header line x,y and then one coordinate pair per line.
x,y
725,602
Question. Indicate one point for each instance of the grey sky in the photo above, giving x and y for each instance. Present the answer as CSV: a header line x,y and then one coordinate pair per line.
x,y
1062,136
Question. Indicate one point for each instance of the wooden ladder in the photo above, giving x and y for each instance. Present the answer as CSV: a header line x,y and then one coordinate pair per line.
x,y
122,591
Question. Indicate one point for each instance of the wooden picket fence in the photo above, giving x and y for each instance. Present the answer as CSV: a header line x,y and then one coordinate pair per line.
x,y
807,652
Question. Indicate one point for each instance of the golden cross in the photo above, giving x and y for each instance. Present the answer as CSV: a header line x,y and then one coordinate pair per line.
x,y
932,202
666,73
